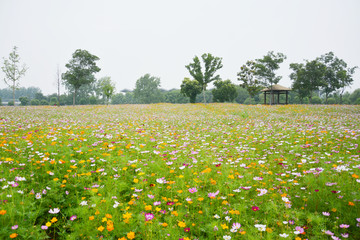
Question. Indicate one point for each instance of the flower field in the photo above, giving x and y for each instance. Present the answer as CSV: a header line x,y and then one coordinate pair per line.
x,y
215,171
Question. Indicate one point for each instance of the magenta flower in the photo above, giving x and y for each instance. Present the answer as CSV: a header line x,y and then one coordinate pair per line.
x,y
186,229
14,227
193,190
73,217
255,208
149,216
299,229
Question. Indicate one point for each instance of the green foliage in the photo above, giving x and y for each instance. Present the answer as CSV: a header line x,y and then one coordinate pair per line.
x,y
34,102
225,91
24,101
175,96
337,75
307,78
53,101
147,89
13,72
81,69
211,65
355,96
316,100
331,101
248,78
107,88
265,68
0,101
11,103
44,102
190,88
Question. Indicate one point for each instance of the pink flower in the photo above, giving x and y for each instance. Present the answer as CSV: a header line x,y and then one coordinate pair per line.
x,y
193,190
326,213
44,227
149,216
344,226
299,229
73,217
213,195
14,227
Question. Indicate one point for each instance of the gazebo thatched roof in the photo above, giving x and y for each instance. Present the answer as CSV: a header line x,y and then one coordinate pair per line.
x,y
276,87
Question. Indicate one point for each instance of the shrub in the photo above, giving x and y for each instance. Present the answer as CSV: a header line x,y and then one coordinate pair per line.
x,y
34,102
24,101
44,102
11,103
315,100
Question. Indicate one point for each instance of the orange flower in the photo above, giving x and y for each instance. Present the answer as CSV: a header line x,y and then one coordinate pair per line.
x,y
13,235
131,235
355,176
351,204
2,212
91,218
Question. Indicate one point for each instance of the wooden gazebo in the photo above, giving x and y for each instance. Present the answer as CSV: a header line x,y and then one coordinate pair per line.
x,y
276,90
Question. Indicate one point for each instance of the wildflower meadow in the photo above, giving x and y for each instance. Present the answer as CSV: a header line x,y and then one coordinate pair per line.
x,y
165,171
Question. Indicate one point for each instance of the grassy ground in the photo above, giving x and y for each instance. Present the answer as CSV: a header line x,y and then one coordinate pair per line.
x,y
215,171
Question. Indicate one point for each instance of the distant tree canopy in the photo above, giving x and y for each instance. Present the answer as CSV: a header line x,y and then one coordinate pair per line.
x,y
211,64
327,74
224,91
147,90
190,88
249,80
13,72
107,88
81,69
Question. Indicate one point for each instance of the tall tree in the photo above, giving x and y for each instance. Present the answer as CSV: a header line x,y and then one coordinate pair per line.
x,y
58,84
13,72
224,91
211,65
248,78
307,78
266,67
147,89
107,88
190,88
337,75
81,69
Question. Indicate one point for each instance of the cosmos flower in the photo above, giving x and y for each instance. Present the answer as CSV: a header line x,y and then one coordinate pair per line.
x,y
54,211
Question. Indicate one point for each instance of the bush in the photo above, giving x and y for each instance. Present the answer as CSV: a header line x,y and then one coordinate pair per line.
x,y
34,102
44,102
331,101
11,103
315,100
92,100
53,101
249,101
0,102
24,101
357,102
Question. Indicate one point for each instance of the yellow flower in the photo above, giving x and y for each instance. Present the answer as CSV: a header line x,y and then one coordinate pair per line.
x,y
48,224
91,218
54,219
182,224
175,213
200,199
136,180
127,215
334,209
101,228
131,235
269,230
224,226
148,208
123,238
104,219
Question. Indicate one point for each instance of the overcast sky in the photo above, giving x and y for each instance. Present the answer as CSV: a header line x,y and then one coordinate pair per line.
x,y
160,37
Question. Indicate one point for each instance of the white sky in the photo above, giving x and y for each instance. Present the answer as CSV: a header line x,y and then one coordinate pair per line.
x,y
160,37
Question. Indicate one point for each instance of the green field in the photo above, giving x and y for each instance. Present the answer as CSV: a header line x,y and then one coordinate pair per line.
x,y
162,171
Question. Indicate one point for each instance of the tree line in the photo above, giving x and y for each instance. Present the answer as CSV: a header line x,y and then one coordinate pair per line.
x,y
322,80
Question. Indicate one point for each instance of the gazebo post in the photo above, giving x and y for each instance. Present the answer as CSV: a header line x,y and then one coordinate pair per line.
x,y
278,100
264,98
286,97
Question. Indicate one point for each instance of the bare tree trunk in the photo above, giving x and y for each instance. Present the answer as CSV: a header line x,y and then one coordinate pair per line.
x,y
58,85
13,93
204,94
74,97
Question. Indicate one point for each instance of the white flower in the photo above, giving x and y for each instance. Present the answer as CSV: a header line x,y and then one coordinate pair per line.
x,y
116,204
226,237
38,196
54,211
83,203
216,216
233,230
260,227
284,235
227,218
